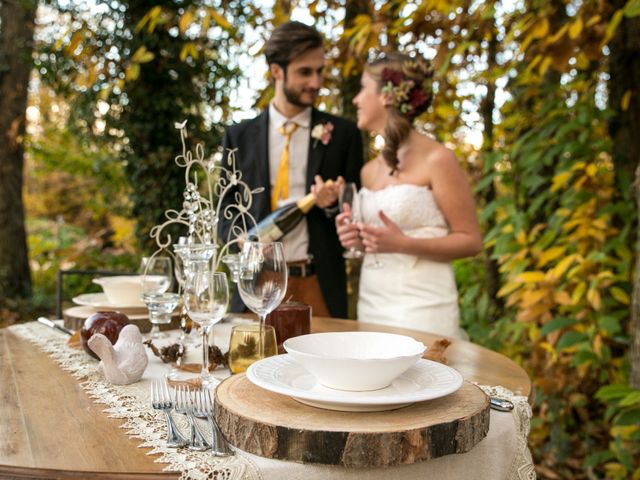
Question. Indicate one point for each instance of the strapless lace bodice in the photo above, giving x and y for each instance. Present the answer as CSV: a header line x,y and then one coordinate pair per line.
x,y
411,207
408,291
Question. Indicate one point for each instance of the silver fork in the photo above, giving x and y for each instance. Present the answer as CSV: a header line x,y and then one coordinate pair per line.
x,y
203,408
161,400
184,405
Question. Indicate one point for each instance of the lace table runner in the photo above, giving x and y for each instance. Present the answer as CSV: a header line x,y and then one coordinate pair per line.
x,y
497,455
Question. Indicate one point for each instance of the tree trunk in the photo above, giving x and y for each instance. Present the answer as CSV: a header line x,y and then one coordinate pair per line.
x,y
624,68
16,45
489,195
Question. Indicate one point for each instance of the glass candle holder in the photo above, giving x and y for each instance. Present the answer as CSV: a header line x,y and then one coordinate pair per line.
x,y
244,345
290,319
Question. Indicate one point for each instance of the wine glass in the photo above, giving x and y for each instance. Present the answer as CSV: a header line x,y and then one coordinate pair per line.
x,y
157,277
206,298
263,280
349,196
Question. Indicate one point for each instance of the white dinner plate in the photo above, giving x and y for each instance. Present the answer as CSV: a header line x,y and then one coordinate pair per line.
x,y
426,380
99,301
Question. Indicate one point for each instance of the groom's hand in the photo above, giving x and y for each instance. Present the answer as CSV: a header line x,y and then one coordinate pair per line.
x,y
326,193
386,239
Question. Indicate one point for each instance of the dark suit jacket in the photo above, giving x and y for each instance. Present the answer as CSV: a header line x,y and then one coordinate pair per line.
x,y
341,156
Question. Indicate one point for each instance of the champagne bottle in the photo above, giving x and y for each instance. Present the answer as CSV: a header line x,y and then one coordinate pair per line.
x,y
277,224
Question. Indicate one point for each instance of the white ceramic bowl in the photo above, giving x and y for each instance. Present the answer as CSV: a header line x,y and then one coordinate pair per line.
x,y
122,290
355,361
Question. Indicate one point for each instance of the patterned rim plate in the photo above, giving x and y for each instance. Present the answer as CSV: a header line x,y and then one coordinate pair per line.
x,y
426,380
99,301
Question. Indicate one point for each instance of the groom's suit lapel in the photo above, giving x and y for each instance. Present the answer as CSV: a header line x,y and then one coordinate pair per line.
x,y
316,152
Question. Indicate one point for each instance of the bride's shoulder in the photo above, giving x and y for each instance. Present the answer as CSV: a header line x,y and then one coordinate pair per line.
x,y
436,155
371,171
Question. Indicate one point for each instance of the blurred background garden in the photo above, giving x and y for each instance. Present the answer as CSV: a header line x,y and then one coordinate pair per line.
x,y
539,99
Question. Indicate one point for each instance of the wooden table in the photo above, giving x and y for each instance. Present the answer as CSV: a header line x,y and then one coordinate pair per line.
x,y
50,428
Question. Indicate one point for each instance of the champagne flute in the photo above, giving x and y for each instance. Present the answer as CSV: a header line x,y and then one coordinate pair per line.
x,y
206,298
263,280
349,196
376,264
157,278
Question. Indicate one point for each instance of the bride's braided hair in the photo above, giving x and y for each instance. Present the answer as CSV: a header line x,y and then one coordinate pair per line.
x,y
407,85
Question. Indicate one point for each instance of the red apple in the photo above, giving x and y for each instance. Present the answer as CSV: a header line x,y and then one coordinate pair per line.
x,y
107,323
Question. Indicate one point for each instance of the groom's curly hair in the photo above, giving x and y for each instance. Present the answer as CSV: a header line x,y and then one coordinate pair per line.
x,y
391,72
289,41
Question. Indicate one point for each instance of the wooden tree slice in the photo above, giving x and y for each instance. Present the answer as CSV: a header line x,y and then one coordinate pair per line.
x,y
276,426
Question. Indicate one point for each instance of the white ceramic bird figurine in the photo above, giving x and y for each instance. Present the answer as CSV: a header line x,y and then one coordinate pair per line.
x,y
124,362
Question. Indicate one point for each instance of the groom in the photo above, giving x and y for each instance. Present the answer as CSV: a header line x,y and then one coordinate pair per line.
x,y
291,149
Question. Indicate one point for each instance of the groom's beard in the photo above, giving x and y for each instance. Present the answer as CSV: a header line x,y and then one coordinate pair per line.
x,y
296,97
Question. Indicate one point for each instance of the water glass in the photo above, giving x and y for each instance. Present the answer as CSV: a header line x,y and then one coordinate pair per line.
x,y
157,277
206,298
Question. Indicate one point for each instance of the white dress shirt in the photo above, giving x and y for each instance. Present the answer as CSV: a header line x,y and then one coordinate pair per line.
x,y
296,242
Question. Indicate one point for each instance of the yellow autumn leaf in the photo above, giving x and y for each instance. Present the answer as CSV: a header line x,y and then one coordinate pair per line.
x,y
591,170
561,297
531,297
626,100
142,55
560,180
531,277
132,72
541,28
612,27
550,254
578,292
544,66
597,345
556,36
576,28
521,237
348,66
536,60
620,295
562,266
582,61
185,21
593,297
446,111
508,288
593,20
154,16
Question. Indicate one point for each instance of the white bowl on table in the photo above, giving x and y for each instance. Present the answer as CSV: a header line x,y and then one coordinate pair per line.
x,y
355,361
122,290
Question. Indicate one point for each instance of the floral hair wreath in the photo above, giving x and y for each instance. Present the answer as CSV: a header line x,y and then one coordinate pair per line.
x,y
403,93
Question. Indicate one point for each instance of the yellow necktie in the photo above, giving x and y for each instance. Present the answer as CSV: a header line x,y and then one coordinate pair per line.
x,y
281,187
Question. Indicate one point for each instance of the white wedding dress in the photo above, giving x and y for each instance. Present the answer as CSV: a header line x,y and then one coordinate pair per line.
x,y
408,291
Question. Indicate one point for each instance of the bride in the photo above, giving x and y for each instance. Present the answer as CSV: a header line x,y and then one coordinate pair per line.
x,y
418,212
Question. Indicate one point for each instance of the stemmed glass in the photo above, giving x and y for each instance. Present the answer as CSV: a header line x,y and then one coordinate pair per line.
x,y
349,196
206,298
157,278
263,280
376,264
187,334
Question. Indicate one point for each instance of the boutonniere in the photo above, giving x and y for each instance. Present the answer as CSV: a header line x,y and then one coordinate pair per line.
x,y
322,132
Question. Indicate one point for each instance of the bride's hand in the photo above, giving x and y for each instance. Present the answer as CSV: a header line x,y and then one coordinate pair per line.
x,y
348,232
386,239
